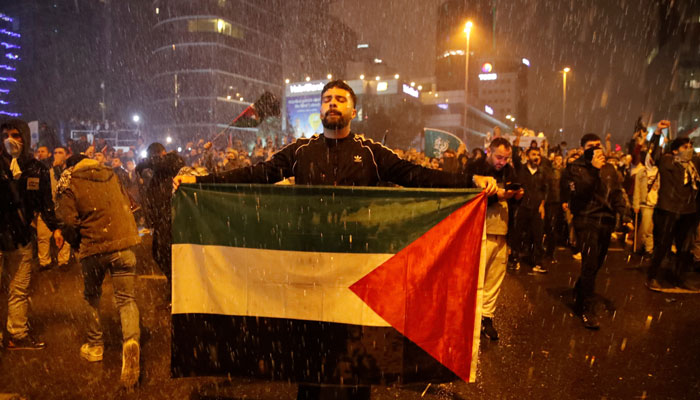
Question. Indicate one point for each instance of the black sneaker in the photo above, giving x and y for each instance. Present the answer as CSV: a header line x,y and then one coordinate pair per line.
x,y
487,328
590,321
26,343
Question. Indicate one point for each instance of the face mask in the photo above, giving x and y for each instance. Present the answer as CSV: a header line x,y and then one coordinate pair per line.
x,y
687,155
13,146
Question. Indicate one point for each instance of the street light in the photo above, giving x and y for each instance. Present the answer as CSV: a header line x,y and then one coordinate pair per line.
x,y
136,118
468,31
563,103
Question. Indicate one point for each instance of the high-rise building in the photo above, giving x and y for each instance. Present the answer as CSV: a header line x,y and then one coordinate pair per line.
x,y
10,62
673,66
502,86
211,60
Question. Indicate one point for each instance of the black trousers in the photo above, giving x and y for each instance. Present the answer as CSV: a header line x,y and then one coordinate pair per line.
x,y
553,220
162,250
593,238
672,228
529,231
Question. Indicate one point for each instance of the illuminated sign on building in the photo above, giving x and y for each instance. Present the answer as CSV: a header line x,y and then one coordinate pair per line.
x,y
486,68
410,91
382,86
306,87
488,77
488,110
443,106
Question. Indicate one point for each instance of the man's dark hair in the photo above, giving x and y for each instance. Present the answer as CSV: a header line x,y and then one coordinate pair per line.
x,y
61,147
678,142
589,137
341,85
531,149
155,149
500,141
79,147
75,159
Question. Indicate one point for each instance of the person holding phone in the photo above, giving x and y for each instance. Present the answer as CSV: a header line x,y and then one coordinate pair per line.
x,y
496,165
595,197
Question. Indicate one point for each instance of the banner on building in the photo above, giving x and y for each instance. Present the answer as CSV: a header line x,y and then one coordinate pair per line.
x,y
327,284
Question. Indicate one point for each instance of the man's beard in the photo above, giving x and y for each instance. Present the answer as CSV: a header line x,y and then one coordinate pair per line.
x,y
339,123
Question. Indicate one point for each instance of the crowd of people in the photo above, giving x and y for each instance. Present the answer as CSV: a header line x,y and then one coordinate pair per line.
x,y
78,199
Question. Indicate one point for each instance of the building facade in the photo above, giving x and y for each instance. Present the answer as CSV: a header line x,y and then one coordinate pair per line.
x,y
10,63
673,67
211,60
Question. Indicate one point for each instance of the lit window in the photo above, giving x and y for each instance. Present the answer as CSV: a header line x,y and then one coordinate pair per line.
x,y
214,25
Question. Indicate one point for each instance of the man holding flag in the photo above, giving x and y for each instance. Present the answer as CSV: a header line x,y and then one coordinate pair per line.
x,y
228,273
339,157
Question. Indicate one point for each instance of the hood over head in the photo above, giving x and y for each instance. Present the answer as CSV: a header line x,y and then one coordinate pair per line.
x,y
23,129
92,170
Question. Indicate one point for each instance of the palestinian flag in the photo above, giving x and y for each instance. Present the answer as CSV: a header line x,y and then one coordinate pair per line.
x,y
265,106
327,284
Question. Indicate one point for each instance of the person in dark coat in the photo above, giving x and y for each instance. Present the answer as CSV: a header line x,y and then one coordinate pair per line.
x,y
158,171
675,214
596,197
25,189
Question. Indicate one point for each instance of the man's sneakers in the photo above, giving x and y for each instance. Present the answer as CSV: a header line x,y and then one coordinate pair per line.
x,y
654,285
130,363
539,269
92,353
25,343
487,328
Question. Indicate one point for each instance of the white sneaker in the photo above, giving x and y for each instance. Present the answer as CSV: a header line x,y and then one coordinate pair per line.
x,y
539,269
130,363
576,256
91,353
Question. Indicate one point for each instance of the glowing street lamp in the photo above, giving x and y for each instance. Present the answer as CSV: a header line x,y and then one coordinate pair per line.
x,y
136,118
468,31
563,103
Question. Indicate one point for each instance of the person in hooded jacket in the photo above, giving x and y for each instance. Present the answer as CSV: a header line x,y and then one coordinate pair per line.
x,y
95,216
158,171
25,189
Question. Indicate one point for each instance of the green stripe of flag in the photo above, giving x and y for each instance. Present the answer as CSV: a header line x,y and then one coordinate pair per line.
x,y
310,218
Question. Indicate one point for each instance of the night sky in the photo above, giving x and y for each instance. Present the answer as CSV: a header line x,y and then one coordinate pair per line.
x,y
605,42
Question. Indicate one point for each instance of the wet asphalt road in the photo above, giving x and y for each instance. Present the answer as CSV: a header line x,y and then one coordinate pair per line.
x,y
648,345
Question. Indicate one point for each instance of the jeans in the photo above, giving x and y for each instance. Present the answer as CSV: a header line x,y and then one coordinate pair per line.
x,y
645,229
670,228
121,266
44,235
16,269
594,239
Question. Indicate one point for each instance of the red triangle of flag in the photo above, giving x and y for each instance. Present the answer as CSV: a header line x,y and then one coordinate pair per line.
x,y
428,290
